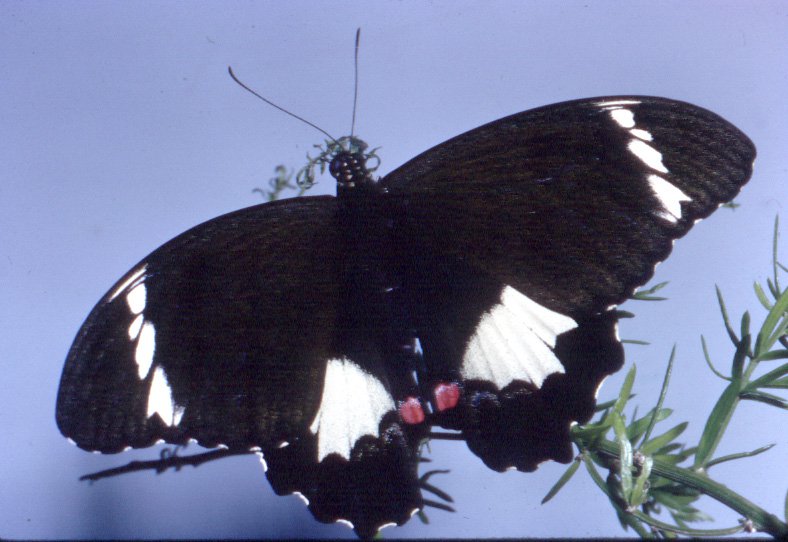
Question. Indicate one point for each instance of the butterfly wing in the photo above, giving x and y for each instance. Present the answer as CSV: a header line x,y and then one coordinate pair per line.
x,y
228,335
526,231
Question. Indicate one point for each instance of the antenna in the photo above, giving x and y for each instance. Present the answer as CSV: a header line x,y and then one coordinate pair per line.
x,y
282,109
355,83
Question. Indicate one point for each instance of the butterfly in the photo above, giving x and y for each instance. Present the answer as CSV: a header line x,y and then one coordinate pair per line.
x,y
473,288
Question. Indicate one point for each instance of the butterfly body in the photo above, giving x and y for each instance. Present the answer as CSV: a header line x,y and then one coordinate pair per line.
x,y
472,288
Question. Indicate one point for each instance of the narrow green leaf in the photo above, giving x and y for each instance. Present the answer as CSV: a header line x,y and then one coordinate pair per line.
x,y
590,433
656,443
626,520
716,424
745,323
761,295
686,452
640,491
763,397
767,336
663,391
768,378
773,288
708,360
607,404
725,319
624,454
676,502
669,448
779,384
597,478
626,390
648,294
635,341
772,355
667,458
740,455
742,349
565,477
638,428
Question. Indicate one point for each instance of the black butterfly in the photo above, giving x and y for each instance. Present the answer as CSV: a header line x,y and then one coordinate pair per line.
x,y
472,288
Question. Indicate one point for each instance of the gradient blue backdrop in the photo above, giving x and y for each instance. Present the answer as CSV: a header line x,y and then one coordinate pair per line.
x,y
120,129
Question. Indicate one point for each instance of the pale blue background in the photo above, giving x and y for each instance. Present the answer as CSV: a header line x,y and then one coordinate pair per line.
x,y
120,129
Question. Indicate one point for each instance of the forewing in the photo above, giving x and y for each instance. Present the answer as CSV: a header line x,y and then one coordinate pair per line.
x,y
573,203
228,335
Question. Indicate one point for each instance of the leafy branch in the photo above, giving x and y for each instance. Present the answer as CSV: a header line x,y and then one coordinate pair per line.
x,y
644,472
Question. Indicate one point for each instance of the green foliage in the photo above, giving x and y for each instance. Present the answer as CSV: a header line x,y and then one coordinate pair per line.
x,y
281,182
650,476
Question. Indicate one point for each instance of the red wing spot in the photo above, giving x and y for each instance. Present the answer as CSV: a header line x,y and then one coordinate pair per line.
x,y
411,412
446,396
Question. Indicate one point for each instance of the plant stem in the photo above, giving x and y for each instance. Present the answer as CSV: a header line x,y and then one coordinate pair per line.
x,y
763,520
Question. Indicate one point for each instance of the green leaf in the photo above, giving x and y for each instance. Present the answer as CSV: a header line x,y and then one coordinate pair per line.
x,y
624,454
716,424
669,448
565,477
592,432
640,491
745,323
635,341
663,391
769,378
773,288
647,294
772,327
762,297
708,360
638,428
742,350
626,391
763,397
740,455
773,355
725,319
668,458
607,404
781,383
668,436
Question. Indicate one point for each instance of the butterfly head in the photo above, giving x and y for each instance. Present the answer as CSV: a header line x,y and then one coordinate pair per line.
x,y
348,162
349,169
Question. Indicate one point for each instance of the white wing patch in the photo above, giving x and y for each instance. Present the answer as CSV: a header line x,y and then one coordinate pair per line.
x,y
352,405
160,399
647,154
146,347
514,341
142,333
668,194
